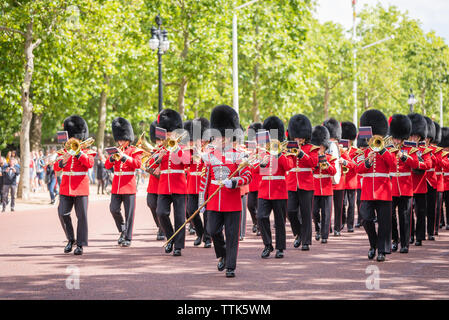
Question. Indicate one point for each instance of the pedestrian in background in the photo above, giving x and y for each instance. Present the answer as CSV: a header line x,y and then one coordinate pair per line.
x,y
50,179
10,173
101,172
2,163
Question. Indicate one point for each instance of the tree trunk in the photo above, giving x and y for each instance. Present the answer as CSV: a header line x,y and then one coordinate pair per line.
x,y
327,96
102,112
36,131
181,96
27,114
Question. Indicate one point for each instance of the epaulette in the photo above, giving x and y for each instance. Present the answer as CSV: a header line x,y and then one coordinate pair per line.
x,y
314,148
438,149
333,158
137,151
413,150
428,150
360,151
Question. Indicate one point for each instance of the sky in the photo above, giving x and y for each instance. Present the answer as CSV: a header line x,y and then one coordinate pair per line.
x,y
433,14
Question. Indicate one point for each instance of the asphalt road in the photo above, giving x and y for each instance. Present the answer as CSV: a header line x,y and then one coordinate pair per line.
x,y
33,265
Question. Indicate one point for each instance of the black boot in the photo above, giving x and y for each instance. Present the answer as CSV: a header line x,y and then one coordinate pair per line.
x,y
230,273
394,246
121,238
381,257
169,247
78,251
197,241
221,264
297,242
371,253
279,254
68,247
266,252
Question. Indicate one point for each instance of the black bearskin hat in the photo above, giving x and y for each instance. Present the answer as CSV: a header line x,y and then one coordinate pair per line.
x,y
430,129
122,130
437,133
299,126
169,120
153,126
274,123
348,131
320,136
224,117
376,120
419,125
253,129
400,127
76,127
334,128
444,143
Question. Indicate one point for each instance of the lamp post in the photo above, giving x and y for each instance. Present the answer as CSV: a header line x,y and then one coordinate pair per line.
x,y
412,100
235,67
354,39
159,42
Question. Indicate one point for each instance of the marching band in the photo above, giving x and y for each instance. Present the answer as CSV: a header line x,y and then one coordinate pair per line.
x,y
397,177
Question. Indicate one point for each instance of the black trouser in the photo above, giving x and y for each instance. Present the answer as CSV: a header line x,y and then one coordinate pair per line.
x,y
431,209
438,217
101,183
66,203
350,211
9,189
300,204
129,203
243,217
339,197
382,238
404,206
420,208
192,206
152,204
279,208
231,223
322,204
163,212
359,205
252,205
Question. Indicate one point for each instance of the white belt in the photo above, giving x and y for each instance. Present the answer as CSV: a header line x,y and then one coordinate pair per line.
x,y
196,173
431,170
217,182
172,171
301,170
439,173
66,173
321,176
124,173
375,175
446,174
273,178
401,174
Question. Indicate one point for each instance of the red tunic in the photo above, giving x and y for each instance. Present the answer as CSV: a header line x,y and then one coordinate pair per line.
x,y
254,185
301,175
219,166
153,184
351,179
194,175
273,184
323,178
124,181
401,174
376,184
431,172
172,178
420,179
75,179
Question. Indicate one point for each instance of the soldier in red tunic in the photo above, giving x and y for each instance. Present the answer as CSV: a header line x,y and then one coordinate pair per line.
x,y
405,161
376,196
273,191
196,129
172,187
225,207
322,177
445,172
300,184
432,181
125,163
338,182
349,132
153,183
418,135
254,185
74,189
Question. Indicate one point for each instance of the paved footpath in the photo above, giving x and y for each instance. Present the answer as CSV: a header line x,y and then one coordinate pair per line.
x,y
33,265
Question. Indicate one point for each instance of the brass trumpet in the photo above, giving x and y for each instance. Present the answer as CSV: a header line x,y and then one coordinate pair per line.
x,y
378,143
275,147
73,146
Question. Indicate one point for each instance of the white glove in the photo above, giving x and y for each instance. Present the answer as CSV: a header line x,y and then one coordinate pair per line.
x,y
203,209
228,183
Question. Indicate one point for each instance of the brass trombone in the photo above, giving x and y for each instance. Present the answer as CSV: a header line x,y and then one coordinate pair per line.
x,y
73,146
378,143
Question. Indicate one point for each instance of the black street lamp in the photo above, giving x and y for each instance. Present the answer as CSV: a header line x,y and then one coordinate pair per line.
x,y
412,100
160,42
